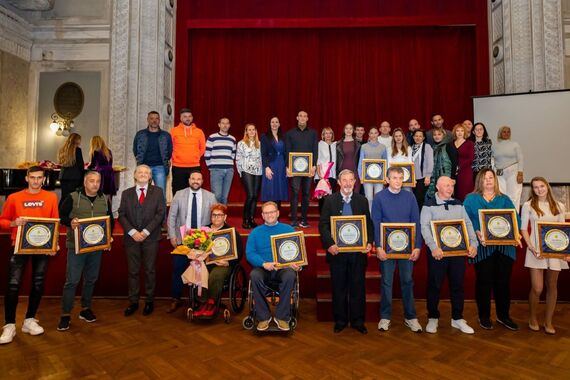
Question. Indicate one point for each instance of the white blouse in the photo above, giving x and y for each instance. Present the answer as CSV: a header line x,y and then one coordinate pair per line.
x,y
248,159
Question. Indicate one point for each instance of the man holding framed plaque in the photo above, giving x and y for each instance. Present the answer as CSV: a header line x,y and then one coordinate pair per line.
x,y
394,206
347,268
265,269
31,202
443,207
141,214
86,202
301,139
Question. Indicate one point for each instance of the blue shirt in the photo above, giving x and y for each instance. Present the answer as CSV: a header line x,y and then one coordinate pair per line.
x,y
258,248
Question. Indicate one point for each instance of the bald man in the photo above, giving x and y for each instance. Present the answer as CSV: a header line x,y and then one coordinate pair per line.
x,y
444,207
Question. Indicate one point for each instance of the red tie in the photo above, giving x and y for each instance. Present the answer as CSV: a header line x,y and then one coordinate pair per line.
x,y
141,198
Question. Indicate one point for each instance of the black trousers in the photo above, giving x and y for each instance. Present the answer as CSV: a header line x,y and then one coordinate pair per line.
x,y
494,275
454,269
302,184
15,273
144,254
180,177
348,288
252,184
420,192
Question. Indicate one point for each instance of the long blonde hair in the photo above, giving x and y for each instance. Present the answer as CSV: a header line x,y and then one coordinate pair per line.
x,y
246,137
66,154
533,198
395,150
98,145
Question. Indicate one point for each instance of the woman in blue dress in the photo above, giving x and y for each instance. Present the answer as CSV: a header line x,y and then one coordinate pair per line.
x,y
274,186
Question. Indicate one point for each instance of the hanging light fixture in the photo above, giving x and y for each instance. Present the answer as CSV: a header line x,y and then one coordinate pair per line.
x,y
61,125
68,103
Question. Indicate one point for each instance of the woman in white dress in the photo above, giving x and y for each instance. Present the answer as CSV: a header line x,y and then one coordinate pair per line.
x,y
541,206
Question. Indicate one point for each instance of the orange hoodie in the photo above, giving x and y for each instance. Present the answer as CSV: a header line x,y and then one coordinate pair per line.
x,y
188,145
22,204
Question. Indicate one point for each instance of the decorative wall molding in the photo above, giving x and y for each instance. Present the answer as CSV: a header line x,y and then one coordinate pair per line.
x,y
15,34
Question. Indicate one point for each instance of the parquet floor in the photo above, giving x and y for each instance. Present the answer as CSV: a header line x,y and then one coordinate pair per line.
x,y
165,346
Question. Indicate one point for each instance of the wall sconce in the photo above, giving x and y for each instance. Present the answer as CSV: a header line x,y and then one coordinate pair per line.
x,y
61,126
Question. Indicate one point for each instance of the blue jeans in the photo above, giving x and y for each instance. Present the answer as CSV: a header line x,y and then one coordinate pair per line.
x,y
387,268
87,264
221,182
159,177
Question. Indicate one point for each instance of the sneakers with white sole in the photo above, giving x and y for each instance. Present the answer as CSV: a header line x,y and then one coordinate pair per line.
x,y
413,325
462,325
431,326
8,333
32,327
384,325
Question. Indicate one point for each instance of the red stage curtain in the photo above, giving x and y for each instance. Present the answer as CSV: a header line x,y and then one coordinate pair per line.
x,y
342,75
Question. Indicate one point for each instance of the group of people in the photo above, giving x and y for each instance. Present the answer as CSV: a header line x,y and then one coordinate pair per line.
x,y
450,168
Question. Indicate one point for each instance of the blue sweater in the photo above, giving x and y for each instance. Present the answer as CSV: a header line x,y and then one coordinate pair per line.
x,y
258,248
475,202
388,207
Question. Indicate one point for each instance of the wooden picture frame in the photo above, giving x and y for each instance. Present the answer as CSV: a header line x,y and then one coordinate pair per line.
x,y
93,234
288,249
38,236
553,239
300,164
349,233
398,239
373,171
499,226
409,173
224,245
451,236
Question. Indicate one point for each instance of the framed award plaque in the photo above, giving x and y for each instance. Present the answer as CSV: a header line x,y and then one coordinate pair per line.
x,y
224,245
93,234
553,239
289,249
398,239
349,232
373,171
499,226
300,164
451,236
37,236
409,173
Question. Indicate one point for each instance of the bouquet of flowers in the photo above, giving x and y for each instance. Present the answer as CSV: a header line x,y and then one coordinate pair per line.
x,y
198,238
199,243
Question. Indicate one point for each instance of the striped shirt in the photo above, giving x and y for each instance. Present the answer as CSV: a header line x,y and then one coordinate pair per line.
x,y
220,151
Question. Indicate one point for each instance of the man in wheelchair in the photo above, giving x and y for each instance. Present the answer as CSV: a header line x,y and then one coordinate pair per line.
x,y
258,254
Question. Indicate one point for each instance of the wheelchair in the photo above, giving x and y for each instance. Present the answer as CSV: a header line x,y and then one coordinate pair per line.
x,y
234,286
272,296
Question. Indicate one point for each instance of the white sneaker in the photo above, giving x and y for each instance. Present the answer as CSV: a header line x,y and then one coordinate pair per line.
x,y
31,327
384,325
413,324
431,326
8,333
462,325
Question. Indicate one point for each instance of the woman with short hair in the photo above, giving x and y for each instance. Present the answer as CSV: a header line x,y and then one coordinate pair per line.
x,y
509,165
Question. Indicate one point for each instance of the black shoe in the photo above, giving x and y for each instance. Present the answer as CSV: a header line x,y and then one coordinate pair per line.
x,y
246,225
87,315
361,329
130,310
64,323
508,323
338,327
486,323
148,308
252,223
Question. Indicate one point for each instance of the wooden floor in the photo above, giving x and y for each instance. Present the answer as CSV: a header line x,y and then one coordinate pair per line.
x,y
165,346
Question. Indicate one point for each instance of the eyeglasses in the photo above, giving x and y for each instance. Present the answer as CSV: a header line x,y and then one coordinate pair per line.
x,y
218,215
269,212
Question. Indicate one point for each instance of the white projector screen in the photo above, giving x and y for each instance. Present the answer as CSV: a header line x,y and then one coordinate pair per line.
x,y
540,123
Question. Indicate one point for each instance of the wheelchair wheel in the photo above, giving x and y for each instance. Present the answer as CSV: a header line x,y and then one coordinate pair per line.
x,y
247,323
238,289
190,314
227,316
293,323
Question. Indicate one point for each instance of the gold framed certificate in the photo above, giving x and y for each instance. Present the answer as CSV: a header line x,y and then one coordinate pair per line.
x,y
499,226
409,173
349,232
373,171
451,236
553,239
93,234
288,249
398,239
300,164
224,245
37,236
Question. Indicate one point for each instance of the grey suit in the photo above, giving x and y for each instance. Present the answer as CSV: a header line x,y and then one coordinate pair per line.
x,y
177,218
149,217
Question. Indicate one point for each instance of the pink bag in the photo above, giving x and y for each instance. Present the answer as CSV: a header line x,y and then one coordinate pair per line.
x,y
323,186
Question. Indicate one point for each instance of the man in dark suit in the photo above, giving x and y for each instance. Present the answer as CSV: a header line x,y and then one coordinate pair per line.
x,y
141,214
347,268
